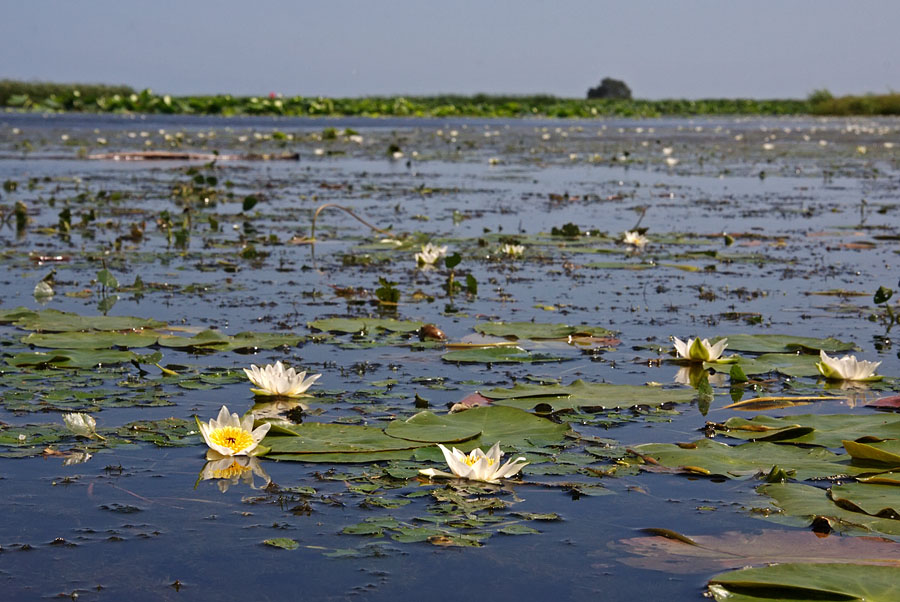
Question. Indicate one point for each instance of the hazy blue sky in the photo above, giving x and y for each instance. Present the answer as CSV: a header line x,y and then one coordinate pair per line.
x,y
685,48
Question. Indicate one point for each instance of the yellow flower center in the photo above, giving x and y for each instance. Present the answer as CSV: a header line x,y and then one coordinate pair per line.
x,y
235,439
472,459
235,470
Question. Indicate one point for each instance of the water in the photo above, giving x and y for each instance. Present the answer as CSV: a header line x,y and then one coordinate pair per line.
x,y
134,520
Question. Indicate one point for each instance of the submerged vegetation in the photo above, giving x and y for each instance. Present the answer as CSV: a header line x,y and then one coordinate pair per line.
x,y
114,99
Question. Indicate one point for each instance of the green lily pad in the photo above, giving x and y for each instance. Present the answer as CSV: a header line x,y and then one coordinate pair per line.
x,y
283,543
871,498
90,340
782,343
827,430
795,581
72,358
498,355
712,458
789,364
802,504
51,320
532,330
319,437
343,458
355,325
509,426
580,394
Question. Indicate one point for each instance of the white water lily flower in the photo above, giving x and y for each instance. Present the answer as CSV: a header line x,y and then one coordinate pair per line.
x,y
847,368
43,289
696,350
477,466
230,471
229,435
430,254
512,250
634,238
82,425
275,379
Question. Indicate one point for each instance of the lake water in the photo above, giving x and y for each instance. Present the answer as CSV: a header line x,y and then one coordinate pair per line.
x,y
755,226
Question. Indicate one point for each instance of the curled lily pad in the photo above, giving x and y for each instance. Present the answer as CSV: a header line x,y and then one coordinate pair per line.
x,y
827,430
802,504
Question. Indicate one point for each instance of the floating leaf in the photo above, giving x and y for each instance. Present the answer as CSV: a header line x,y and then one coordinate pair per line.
x,y
51,320
509,426
282,542
580,394
72,358
319,437
875,499
806,504
885,453
672,552
782,343
91,339
712,458
355,325
498,355
827,430
852,582
533,330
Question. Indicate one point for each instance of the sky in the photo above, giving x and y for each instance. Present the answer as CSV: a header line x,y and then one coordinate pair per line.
x,y
661,49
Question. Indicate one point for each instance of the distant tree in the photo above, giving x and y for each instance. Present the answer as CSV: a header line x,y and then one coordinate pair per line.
x,y
610,88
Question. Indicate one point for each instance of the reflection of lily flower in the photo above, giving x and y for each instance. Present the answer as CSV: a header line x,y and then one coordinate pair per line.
x,y
846,368
430,254
635,238
276,380
233,470
696,350
82,425
477,466
229,435
693,377
512,250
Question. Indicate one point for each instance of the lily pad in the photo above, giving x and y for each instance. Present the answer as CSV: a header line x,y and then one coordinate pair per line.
x,y
91,339
355,325
795,581
51,320
789,364
873,499
533,330
319,437
782,343
580,394
806,504
827,430
509,426
72,358
712,458
664,550
498,355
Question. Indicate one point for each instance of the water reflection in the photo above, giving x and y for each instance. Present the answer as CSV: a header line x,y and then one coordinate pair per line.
x,y
232,470
694,376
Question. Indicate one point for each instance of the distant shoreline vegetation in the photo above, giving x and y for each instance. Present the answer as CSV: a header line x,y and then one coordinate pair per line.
x,y
98,98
